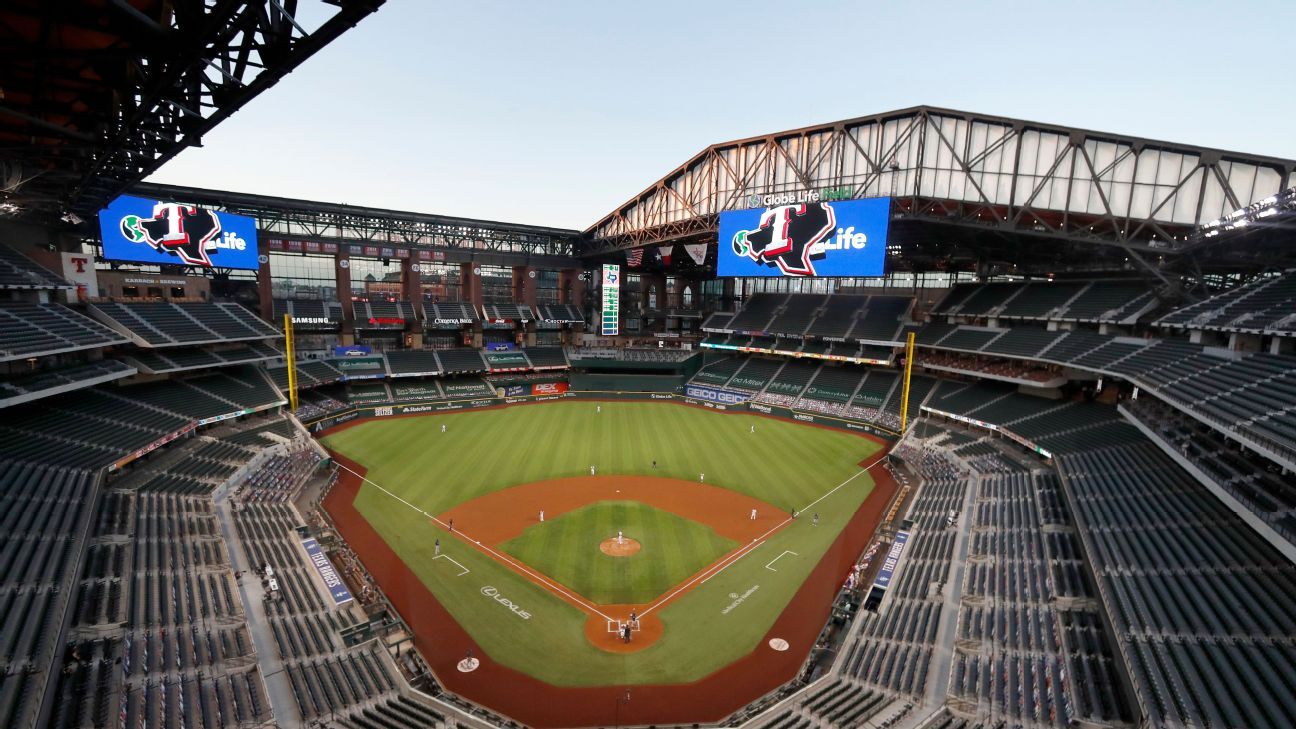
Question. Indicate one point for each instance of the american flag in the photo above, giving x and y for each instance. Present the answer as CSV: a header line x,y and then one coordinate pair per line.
x,y
634,257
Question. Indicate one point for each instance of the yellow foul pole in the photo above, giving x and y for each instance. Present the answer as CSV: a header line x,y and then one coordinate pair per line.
x,y
292,362
904,399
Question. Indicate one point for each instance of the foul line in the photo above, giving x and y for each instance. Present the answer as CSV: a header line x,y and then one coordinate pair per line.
x,y
727,562
700,578
465,569
526,571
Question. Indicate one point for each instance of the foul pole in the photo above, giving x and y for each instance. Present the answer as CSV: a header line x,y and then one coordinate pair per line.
x,y
292,362
904,399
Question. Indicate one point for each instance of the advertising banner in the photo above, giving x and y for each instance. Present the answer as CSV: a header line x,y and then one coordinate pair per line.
x,y
887,573
166,233
806,238
549,388
711,394
352,350
332,580
611,300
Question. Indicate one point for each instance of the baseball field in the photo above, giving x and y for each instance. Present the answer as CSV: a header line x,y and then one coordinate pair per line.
x,y
679,514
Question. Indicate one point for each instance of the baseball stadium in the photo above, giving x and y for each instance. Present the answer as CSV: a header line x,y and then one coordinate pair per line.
x,y
924,419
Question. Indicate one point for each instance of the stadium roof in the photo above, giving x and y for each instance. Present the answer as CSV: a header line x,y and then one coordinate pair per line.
x,y
967,188
95,95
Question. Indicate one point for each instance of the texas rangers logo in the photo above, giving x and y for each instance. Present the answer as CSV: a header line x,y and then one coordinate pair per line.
x,y
185,231
788,236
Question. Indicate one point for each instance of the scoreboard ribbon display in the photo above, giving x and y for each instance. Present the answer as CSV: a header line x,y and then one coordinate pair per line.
x,y
611,300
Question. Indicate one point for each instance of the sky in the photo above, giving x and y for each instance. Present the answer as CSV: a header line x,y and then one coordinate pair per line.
x,y
556,113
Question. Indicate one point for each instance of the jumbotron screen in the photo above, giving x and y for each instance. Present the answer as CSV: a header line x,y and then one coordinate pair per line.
x,y
167,233
811,238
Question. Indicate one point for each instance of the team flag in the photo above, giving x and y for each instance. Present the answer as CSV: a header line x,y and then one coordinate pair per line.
x,y
696,251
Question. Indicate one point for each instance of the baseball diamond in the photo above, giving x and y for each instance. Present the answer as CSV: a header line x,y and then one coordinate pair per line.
x,y
696,538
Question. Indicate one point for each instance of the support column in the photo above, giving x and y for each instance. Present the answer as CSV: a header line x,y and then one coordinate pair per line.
x,y
265,289
342,279
412,291
470,284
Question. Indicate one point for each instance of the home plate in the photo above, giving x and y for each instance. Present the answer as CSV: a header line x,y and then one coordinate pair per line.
x,y
777,644
468,665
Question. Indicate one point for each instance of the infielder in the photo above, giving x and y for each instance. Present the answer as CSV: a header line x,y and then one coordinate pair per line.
x,y
753,515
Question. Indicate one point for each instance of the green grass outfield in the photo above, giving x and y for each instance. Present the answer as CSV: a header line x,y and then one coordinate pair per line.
x,y
784,463
673,549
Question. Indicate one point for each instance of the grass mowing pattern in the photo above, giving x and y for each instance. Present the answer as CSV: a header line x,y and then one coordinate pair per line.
x,y
566,548
783,463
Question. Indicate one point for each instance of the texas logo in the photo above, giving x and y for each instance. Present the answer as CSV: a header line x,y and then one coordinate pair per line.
x,y
185,231
789,237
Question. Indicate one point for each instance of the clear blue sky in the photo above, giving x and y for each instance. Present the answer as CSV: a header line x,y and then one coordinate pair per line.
x,y
555,113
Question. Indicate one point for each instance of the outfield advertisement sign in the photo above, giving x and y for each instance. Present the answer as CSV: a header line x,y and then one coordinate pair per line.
x,y
542,392
611,300
332,580
712,394
167,233
804,238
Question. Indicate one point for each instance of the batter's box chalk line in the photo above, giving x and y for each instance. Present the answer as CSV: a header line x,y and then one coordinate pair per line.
x,y
616,626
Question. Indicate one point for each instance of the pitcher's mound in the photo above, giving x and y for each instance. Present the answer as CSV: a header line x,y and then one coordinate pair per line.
x,y
626,548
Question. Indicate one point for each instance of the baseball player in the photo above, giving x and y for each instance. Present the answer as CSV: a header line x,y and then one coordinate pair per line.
x,y
815,520
701,478
542,516
443,427
591,470
437,546
753,515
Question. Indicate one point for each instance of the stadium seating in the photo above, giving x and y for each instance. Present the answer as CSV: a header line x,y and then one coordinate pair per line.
x,y
839,316
43,511
755,373
411,362
560,313
757,312
510,311
792,378
163,324
549,356
456,311
25,388
718,371
1171,560
1267,303
881,319
462,360
19,272
797,313
33,330
834,384
1107,301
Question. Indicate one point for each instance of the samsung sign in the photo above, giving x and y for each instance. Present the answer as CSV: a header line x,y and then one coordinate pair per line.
x,y
838,238
166,233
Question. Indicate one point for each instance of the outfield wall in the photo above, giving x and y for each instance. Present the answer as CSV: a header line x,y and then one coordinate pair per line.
x,y
443,406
